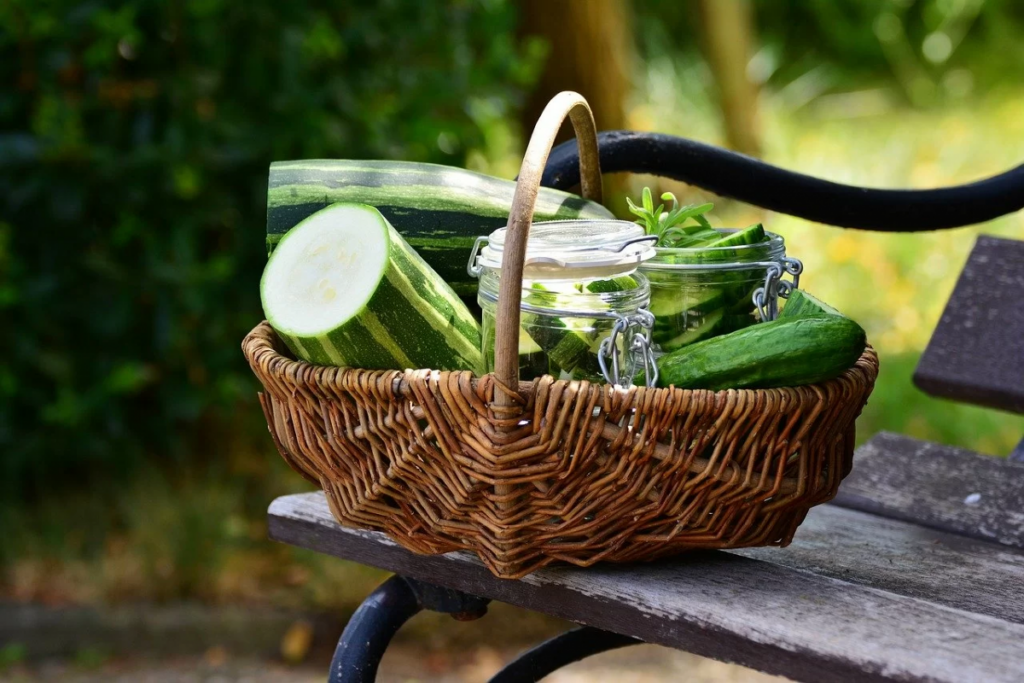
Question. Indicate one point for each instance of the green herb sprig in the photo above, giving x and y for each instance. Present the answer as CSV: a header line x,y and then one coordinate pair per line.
x,y
670,226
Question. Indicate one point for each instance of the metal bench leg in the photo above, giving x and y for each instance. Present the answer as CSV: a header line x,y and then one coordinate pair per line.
x,y
369,631
560,651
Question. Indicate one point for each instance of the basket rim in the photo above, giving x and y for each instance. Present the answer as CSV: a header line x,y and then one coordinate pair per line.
x,y
263,340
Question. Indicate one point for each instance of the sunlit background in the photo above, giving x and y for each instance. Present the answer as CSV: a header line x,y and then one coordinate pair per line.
x,y
135,467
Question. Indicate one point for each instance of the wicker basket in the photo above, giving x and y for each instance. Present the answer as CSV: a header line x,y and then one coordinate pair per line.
x,y
530,473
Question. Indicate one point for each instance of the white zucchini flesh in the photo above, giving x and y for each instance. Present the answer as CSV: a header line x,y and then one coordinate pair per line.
x,y
343,288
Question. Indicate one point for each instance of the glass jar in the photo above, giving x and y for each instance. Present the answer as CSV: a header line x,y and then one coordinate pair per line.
x,y
699,293
583,310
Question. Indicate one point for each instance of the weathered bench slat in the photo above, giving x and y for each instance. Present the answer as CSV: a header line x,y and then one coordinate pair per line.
x,y
906,559
938,486
1018,453
787,620
976,353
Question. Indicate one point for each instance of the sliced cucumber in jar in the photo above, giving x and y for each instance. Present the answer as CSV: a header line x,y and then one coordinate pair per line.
x,y
532,361
753,234
622,283
666,302
709,326
571,349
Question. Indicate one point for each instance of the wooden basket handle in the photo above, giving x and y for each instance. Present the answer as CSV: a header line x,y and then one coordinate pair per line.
x,y
571,104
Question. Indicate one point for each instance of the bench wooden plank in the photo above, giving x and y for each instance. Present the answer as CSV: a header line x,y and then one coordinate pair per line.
x,y
1018,453
787,620
906,559
938,486
976,353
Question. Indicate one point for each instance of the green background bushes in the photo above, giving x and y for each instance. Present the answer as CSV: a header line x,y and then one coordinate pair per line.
x,y
134,147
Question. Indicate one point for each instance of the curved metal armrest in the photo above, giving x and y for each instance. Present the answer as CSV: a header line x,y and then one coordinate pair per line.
x,y
752,181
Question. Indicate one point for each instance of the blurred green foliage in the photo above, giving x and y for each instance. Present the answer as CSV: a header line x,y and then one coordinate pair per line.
x,y
928,51
134,143
895,285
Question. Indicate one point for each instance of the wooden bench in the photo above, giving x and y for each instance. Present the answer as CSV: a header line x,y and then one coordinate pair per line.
x,y
975,354
914,573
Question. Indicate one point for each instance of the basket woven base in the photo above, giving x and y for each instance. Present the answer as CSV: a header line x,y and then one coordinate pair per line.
x,y
588,473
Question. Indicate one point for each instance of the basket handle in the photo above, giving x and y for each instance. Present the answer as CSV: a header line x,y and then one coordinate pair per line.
x,y
571,104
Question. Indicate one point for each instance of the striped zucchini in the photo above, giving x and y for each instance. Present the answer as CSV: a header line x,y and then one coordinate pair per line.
x,y
343,288
439,210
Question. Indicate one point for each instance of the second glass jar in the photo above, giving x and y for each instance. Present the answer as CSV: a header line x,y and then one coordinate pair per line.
x,y
699,293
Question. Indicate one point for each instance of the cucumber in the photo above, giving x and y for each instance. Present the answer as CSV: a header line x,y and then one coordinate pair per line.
x,y
343,288
562,339
708,327
621,283
526,344
742,301
667,302
532,362
804,303
736,321
439,210
780,353
570,350
753,234
590,372
698,238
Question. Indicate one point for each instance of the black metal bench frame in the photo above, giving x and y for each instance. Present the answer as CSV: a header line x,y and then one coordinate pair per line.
x,y
371,628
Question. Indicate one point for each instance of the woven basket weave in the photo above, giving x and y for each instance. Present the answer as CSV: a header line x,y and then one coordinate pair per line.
x,y
530,473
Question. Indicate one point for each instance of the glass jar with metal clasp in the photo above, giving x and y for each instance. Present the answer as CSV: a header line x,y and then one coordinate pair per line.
x,y
583,314
698,293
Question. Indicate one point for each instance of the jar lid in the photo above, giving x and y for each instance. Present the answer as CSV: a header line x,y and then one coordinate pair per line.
x,y
585,248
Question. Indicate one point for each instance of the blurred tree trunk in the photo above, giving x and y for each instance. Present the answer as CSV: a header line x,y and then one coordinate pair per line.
x,y
728,30
590,50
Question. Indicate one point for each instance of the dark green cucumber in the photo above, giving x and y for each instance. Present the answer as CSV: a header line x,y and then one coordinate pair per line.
x,y
780,353
803,303
439,210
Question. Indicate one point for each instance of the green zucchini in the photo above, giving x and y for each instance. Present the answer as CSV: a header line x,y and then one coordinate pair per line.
x,y
439,210
343,288
779,353
805,303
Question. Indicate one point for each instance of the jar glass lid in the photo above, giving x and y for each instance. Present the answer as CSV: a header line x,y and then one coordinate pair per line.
x,y
575,248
